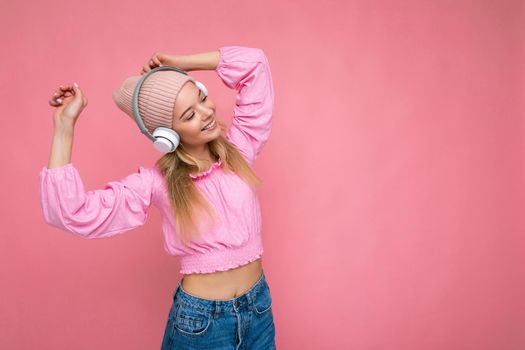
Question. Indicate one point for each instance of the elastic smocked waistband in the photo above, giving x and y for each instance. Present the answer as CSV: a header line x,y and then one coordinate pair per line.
x,y
236,303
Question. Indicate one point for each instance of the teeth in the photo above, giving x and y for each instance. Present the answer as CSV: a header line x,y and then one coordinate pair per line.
x,y
210,125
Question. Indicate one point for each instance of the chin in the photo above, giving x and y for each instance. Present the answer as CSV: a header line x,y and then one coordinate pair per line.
x,y
215,136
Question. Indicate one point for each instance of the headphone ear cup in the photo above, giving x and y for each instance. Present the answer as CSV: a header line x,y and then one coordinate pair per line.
x,y
202,87
166,140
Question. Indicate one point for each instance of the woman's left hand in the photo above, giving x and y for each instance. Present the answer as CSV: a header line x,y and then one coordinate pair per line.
x,y
159,59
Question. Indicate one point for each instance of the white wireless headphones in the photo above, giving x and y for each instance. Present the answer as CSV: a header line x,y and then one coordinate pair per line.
x,y
164,139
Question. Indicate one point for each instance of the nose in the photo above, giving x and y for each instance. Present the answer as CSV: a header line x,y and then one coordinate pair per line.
x,y
207,112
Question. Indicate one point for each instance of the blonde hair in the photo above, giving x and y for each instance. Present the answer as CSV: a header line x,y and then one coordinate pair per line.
x,y
189,205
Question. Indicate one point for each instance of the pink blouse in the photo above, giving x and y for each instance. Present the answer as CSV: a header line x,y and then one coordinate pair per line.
x,y
123,205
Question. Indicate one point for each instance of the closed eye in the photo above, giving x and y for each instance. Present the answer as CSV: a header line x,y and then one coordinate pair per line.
x,y
191,116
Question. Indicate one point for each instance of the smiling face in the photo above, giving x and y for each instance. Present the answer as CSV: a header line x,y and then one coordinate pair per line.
x,y
191,113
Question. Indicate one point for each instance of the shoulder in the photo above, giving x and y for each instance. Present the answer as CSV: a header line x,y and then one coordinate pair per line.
x,y
152,176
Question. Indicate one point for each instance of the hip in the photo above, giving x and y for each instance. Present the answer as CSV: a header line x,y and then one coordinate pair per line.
x,y
245,321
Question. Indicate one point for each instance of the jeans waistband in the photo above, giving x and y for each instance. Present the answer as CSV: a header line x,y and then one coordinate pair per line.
x,y
236,303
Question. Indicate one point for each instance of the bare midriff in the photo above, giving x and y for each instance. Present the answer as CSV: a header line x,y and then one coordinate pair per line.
x,y
223,285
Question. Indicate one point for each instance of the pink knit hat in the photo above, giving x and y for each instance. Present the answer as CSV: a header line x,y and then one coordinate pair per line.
x,y
156,97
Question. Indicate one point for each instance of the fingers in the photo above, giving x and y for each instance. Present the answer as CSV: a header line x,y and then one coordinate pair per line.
x,y
63,92
147,67
56,99
156,60
152,63
54,103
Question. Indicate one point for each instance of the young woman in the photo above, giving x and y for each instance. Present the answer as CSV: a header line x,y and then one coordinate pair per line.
x,y
204,186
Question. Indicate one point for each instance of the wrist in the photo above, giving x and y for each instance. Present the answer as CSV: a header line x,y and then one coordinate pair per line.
x,y
64,130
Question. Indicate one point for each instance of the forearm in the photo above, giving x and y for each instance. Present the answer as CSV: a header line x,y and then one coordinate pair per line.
x,y
199,61
61,147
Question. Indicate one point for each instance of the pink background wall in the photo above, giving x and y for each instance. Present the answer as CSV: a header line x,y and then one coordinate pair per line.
x,y
393,191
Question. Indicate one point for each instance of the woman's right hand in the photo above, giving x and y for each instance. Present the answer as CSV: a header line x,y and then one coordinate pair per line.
x,y
69,102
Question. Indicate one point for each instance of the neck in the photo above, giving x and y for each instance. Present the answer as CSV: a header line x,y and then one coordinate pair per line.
x,y
201,153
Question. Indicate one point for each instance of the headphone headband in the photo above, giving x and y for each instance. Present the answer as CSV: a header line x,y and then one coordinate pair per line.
x,y
135,98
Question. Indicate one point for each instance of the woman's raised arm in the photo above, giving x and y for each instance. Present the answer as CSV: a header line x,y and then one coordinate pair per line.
x,y
247,70
69,101
118,207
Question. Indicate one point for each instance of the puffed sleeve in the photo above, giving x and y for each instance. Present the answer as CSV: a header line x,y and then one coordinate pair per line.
x,y
246,70
118,207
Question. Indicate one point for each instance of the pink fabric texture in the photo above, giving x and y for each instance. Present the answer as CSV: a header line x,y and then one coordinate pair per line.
x,y
124,205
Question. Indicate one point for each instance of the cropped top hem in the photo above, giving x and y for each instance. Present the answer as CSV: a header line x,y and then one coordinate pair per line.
x,y
221,260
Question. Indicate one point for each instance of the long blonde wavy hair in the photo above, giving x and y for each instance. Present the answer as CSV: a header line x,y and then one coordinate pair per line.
x,y
189,205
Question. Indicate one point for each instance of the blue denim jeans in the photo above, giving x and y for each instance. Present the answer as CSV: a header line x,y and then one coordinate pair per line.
x,y
244,322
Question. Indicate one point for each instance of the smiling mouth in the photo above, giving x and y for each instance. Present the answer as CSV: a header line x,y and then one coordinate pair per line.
x,y
210,125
